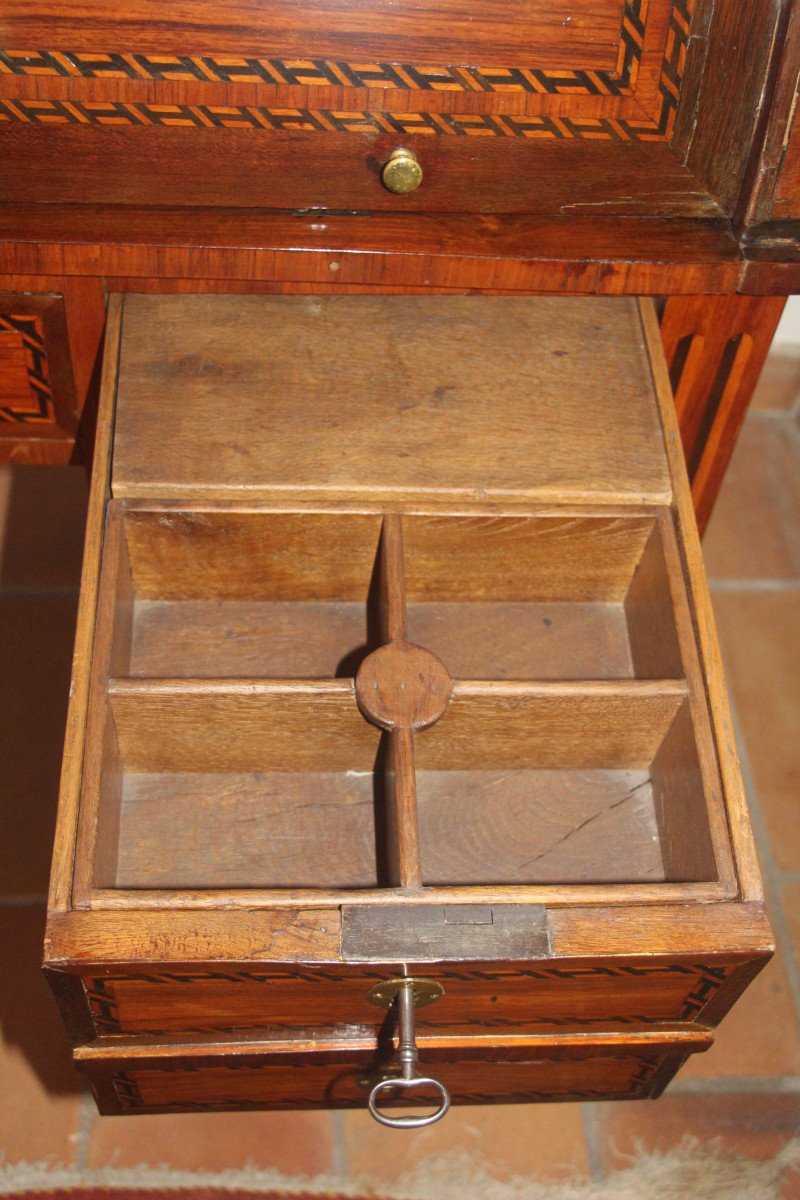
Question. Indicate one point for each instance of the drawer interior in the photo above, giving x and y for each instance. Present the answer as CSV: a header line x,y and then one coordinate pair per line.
x,y
295,595
235,754
216,789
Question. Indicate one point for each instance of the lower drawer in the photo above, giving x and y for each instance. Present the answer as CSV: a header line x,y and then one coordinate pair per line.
x,y
132,1078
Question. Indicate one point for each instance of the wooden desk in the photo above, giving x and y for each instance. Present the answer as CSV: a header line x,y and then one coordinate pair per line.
x,y
574,148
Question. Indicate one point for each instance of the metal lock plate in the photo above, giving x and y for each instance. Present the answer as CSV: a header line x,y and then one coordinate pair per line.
x,y
426,991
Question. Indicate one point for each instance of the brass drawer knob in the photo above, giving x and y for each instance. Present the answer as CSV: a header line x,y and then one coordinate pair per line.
x,y
402,172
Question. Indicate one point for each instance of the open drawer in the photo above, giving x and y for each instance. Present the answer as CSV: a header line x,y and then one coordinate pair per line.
x,y
395,661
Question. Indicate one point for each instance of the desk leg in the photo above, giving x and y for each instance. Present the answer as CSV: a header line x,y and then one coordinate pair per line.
x,y
715,347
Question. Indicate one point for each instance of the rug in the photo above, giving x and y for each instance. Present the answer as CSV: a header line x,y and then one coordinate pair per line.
x,y
692,1170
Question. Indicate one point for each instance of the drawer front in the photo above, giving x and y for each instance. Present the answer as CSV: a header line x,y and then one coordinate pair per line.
x,y
256,1083
304,170
305,110
522,997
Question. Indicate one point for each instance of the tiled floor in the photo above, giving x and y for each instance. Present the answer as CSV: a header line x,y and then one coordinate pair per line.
x,y
744,1094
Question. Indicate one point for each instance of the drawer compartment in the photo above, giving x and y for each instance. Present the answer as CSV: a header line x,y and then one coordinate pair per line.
x,y
227,593
339,1075
270,787
394,683
270,782
224,593
536,108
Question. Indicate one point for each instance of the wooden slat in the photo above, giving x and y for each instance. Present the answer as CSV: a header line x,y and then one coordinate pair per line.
x,y
204,250
114,1053
683,929
61,876
193,936
736,804
716,347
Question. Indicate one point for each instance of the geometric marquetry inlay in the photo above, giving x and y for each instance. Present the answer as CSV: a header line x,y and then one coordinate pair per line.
x,y
25,392
634,97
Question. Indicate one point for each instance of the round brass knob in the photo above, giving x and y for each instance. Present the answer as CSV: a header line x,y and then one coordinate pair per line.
x,y
402,172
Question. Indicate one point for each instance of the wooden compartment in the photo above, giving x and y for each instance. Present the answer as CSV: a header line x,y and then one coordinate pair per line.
x,y
573,596
226,594
568,787
252,787
379,680
265,786
214,775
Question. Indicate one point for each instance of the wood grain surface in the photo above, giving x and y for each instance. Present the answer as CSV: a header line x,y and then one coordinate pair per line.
x,y
263,1085
530,995
277,556
530,826
400,399
743,40
507,726
247,725
74,740
546,30
295,171
229,638
715,347
204,250
266,829
562,557
728,813
518,640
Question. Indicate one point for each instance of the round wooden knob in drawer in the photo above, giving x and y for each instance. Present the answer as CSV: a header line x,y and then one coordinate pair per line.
x,y
402,172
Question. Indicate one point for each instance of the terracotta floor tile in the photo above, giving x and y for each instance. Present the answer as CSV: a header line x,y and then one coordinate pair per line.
x,y
39,1096
759,1036
790,895
779,384
753,1125
760,636
539,1140
35,655
754,531
293,1142
41,540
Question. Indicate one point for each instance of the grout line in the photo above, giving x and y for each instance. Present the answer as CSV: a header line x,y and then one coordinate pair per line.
x,y
772,414
87,1115
339,1140
769,870
754,585
23,901
760,1085
590,1137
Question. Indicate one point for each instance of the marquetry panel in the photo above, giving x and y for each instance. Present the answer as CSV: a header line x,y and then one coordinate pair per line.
x,y
252,1083
716,347
610,73
37,392
529,996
